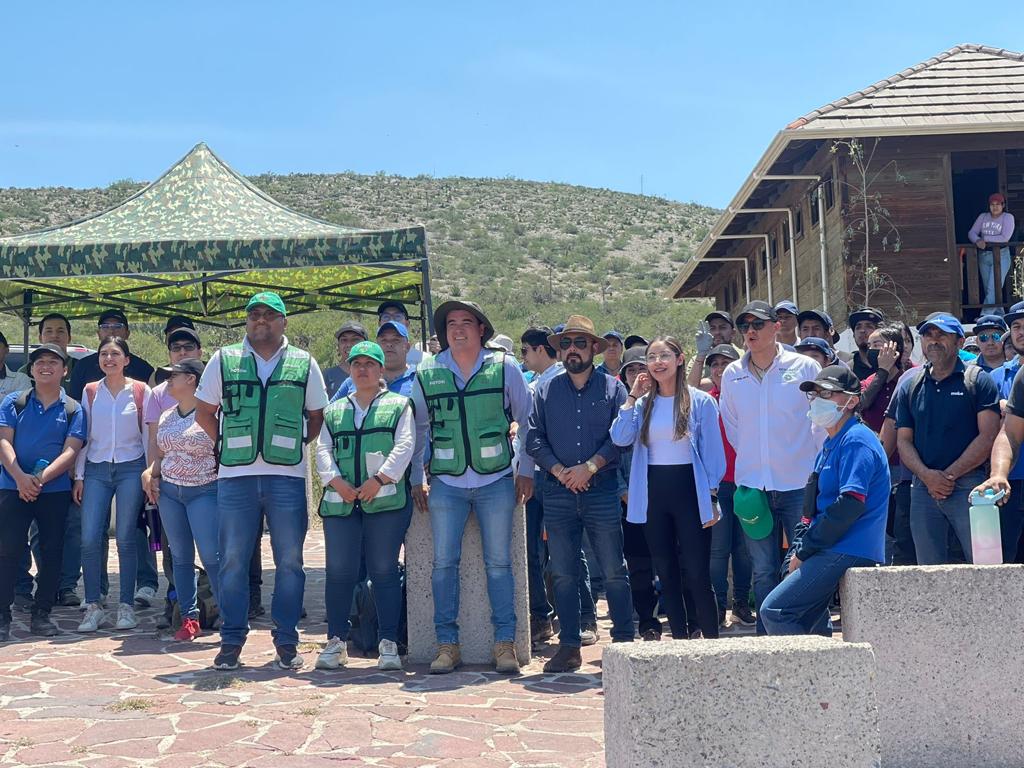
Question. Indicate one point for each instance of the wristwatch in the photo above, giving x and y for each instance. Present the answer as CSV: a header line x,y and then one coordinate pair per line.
x,y
592,467
380,479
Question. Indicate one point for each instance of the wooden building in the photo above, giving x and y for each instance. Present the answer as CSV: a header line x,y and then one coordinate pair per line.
x,y
937,139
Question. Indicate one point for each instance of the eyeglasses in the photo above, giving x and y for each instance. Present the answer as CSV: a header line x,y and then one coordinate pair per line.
x,y
393,317
112,326
580,342
757,325
983,337
660,357
186,347
824,394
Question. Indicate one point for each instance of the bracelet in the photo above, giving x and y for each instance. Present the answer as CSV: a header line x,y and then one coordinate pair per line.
x,y
380,482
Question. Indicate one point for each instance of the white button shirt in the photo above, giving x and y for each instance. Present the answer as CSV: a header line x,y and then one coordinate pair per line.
x,y
113,424
766,421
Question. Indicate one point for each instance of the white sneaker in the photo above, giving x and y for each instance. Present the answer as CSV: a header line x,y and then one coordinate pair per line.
x,y
145,596
389,658
94,616
126,617
334,655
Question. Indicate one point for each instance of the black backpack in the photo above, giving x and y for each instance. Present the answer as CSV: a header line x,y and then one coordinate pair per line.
x,y
71,406
971,374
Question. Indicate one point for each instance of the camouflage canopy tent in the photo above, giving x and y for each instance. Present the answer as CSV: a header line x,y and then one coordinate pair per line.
x,y
199,241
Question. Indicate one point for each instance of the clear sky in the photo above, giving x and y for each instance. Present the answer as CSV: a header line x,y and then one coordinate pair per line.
x,y
686,95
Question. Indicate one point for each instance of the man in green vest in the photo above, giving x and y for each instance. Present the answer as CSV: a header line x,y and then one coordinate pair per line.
x,y
266,391
465,401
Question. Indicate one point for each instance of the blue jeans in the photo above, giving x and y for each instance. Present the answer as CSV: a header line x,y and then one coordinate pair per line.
x,y
931,520
494,505
799,605
728,540
993,287
105,481
766,554
243,501
566,516
189,516
347,540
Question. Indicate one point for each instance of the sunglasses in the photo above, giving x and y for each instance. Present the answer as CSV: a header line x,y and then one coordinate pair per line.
x,y
757,325
580,342
983,337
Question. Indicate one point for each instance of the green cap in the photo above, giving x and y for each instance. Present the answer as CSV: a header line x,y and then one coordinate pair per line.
x,y
269,299
369,349
751,508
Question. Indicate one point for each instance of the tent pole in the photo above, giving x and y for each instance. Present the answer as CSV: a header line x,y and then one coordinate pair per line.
x,y
428,304
26,319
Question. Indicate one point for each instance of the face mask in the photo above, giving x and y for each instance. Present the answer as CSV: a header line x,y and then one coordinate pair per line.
x,y
873,357
825,413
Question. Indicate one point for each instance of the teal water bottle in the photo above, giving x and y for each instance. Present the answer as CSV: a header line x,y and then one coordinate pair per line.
x,y
39,466
986,540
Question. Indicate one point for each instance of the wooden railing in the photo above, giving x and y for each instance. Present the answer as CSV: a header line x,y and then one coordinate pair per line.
x,y
972,293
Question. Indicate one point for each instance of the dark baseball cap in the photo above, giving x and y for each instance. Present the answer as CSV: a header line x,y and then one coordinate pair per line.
x,y
615,335
834,378
52,349
787,305
183,334
353,327
728,351
989,321
870,314
820,345
190,366
634,356
822,317
761,310
178,321
392,303
1016,313
634,340
721,315
112,314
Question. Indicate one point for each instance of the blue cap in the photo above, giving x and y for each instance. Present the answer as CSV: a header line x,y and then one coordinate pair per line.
x,y
822,317
559,328
820,345
788,305
396,326
614,335
944,322
989,321
1016,313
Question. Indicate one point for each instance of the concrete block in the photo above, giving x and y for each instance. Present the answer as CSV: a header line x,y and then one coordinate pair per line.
x,y
476,634
753,701
947,643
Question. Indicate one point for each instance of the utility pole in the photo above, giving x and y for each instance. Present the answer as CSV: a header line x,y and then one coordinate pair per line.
x,y
641,185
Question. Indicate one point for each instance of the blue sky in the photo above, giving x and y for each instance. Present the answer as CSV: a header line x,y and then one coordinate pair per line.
x,y
685,95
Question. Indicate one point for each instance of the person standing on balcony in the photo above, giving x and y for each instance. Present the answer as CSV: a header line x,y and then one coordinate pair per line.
x,y
990,234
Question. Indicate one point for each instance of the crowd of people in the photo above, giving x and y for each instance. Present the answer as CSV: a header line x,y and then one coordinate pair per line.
x,y
646,477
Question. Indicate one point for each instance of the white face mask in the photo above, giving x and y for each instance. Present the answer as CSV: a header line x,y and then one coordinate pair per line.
x,y
825,413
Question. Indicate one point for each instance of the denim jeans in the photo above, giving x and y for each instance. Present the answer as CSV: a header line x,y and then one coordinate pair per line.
x,y
728,540
566,516
766,554
243,501
931,520
189,516
799,605
347,540
105,481
992,288
494,505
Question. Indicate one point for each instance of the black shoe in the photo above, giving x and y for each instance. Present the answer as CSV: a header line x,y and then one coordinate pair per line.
x,y
741,612
566,660
541,630
288,657
5,626
651,635
68,598
42,625
227,659
24,602
255,607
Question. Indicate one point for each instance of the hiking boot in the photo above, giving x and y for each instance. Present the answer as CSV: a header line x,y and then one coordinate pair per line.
x,y
189,631
94,616
505,660
68,598
5,626
42,625
589,633
449,658
334,655
388,658
227,658
541,630
288,657
651,635
566,660
24,602
126,617
741,612
696,634
724,622
145,596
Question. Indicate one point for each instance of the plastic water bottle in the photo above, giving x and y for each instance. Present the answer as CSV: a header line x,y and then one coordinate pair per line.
x,y
986,541
39,466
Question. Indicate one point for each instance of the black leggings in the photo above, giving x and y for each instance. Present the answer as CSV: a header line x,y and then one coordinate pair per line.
x,y
680,547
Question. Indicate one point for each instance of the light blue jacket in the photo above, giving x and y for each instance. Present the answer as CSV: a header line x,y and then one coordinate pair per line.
x,y
705,439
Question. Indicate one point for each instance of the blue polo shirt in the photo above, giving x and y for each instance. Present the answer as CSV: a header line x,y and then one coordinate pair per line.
x,y
400,386
943,415
1004,378
854,461
39,434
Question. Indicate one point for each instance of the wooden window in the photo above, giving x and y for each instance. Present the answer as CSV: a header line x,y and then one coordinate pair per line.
x,y
753,273
774,241
828,187
785,236
798,221
812,199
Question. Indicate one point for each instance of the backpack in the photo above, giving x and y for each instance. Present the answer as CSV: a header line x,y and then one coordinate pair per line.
x,y
363,617
138,395
70,407
971,373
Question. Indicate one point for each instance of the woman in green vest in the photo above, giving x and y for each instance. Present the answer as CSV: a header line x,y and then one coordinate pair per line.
x,y
363,456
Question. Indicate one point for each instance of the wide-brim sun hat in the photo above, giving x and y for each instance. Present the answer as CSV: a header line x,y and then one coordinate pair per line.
x,y
578,325
441,320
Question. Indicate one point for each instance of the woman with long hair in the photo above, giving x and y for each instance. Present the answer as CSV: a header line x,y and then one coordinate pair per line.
x,y
678,462
110,466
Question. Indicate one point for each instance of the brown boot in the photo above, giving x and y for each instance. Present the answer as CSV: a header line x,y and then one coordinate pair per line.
x,y
505,660
566,660
448,659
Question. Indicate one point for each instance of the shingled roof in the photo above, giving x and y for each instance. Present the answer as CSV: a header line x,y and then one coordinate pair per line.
x,y
968,84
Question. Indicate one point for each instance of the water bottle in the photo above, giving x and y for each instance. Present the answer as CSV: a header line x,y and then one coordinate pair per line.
x,y
153,525
40,465
986,541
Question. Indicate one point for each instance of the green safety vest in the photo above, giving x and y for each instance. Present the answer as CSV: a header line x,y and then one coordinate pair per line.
x,y
469,427
262,420
352,445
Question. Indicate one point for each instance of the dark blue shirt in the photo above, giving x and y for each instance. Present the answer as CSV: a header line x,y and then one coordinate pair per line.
x,y
1004,378
39,434
569,426
943,415
400,386
853,461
